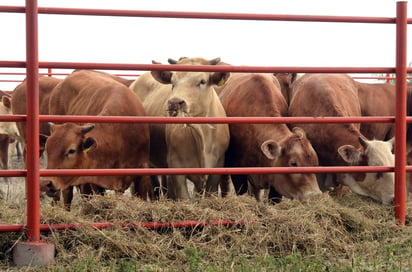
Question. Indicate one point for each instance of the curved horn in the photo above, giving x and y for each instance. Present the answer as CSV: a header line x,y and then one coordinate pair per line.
x,y
87,128
214,61
172,61
363,142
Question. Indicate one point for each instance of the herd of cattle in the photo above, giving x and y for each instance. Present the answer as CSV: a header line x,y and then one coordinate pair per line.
x,y
212,94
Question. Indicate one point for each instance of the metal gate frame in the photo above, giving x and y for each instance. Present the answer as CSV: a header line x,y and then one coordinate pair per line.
x,y
32,118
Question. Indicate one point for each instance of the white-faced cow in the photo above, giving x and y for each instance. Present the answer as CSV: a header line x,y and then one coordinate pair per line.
x,y
8,132
265,145
379,99
101,145
321,95
187,94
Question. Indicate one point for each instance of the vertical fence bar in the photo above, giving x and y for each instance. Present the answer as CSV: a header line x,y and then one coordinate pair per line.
x,y
400,117
34,252
33,130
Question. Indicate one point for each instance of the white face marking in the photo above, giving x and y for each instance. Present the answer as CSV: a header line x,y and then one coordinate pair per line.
x,y
379,186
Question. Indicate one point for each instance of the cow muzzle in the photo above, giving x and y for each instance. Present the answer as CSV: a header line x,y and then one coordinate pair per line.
x,y
176,106
46,186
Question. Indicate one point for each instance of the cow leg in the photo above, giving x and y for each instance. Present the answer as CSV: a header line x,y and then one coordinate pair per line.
x,y
67,195
240,184
225,185
255,191
274,197
4,153
19,152
143,187
88,189
177,187
163,184
157,186
212,185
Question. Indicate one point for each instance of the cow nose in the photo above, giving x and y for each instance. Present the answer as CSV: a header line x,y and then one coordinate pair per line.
x,y
175,105
47,187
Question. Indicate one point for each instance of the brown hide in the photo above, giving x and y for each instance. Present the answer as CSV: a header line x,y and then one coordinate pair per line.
x,y
107,145
321,95
18,105
377,100
124,81
259,95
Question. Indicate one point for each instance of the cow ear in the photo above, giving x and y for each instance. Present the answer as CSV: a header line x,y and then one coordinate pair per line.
x,y
88,145
172,61
349,153
214,61
164,77
299,131
219,78
271,149
6,99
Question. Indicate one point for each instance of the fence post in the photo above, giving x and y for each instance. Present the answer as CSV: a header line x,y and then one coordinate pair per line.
x,y
32,252
400,117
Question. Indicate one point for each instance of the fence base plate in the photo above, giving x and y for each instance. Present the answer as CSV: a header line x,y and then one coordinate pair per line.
x,y
33,253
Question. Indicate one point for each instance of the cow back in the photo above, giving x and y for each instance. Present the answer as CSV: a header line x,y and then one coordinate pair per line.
x,y
18,105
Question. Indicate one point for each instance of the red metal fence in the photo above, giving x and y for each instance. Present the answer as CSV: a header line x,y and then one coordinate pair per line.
x,y
32,66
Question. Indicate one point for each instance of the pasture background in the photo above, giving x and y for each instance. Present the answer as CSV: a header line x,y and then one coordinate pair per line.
x,y
322,234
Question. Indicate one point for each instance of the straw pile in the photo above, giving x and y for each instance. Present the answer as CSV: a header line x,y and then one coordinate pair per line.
x,y
337,229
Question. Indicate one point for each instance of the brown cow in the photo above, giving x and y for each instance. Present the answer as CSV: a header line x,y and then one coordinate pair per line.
x,y
104,145
341,144
18,105
266,145
185,145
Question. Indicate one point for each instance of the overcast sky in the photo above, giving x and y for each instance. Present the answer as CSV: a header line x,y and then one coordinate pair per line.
x,y
260,43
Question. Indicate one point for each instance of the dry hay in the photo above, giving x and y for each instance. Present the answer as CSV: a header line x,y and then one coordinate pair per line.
x,y
336,229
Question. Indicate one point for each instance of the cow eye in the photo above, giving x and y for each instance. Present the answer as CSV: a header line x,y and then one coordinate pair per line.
x,y
202,82
71,152
293,163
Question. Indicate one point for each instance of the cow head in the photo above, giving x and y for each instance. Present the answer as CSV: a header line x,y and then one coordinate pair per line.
x,y
379,186
294,151
192,92
8,128
67,147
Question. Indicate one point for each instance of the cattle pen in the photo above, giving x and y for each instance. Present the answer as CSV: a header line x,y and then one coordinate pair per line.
x,y
32,65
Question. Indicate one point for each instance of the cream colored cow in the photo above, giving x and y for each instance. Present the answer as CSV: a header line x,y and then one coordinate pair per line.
x,y
185,94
